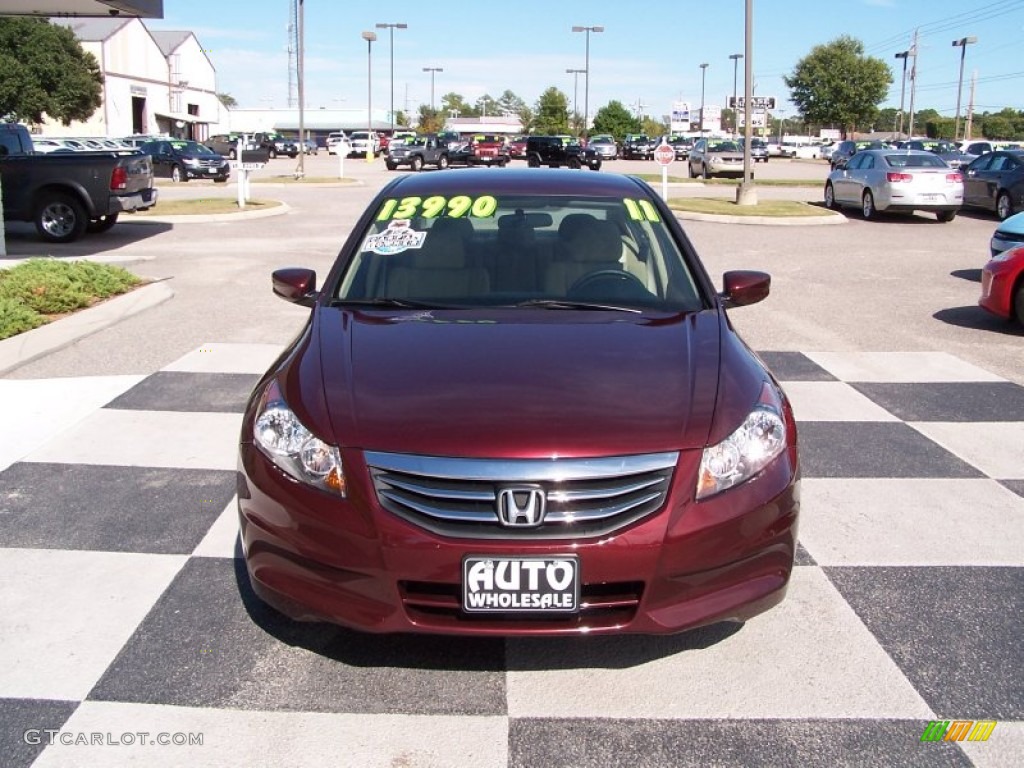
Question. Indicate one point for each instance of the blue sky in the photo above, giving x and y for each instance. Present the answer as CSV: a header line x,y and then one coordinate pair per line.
x,y
648,53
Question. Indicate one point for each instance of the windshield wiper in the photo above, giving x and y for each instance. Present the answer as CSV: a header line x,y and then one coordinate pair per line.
x,y
386,303
569,304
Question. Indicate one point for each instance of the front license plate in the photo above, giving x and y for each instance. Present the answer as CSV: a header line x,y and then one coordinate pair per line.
x,y
520,584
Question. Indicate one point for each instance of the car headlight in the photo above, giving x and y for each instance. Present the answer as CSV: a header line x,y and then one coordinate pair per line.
x,y
191,161
759,439
284,440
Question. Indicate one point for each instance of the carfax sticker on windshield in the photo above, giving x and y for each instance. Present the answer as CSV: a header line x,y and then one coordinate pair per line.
x,y
398,237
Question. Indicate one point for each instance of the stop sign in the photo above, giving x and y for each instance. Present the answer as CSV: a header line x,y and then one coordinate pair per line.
x,y
664,154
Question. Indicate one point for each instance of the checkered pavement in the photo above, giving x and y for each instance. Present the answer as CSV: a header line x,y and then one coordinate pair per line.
x,y
126,616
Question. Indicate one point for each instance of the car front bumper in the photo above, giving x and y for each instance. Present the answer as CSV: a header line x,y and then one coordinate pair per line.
x,y
997,282
318,557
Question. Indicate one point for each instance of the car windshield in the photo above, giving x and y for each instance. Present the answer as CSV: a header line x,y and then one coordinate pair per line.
x,y
915,161
521,250
722,146
192,148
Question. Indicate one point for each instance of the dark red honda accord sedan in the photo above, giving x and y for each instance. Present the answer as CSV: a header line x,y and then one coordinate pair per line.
x,y
518,407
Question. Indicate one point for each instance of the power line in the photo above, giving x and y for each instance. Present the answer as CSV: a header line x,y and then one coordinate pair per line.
x,y
973,17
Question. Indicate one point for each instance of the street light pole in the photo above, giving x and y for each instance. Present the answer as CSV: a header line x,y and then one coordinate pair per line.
x,y
300,72
369,37
575,85
735,111
586,81
903,88
432,71
391,31
962,44
703,72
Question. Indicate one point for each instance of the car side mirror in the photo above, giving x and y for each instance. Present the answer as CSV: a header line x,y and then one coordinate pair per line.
x,y
743,287
295,284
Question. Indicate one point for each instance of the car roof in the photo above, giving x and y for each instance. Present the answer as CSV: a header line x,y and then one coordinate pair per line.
x,y
519,181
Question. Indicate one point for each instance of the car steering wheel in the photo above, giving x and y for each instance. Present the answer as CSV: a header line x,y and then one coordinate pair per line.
x,y
623,279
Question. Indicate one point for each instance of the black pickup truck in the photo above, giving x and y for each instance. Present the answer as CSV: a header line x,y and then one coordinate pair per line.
x,y
66,194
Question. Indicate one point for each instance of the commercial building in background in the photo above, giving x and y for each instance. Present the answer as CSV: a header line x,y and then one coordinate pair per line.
x,y
153,82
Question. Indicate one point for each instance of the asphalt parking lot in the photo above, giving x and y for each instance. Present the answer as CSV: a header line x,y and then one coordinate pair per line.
x,y
125,611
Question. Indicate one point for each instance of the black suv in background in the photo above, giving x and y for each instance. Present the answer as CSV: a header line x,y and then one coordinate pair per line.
x,y
637,146
556,151
181,160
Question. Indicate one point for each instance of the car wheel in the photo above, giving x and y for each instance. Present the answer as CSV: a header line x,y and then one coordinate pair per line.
x,y
533,161
390,166
704,172
946,216
102,224
1004,208
689,171
1018,302
442,162
176,174
596,166
867,206
830,197
417,163
574,163
221,180
232,155
60,218
272,154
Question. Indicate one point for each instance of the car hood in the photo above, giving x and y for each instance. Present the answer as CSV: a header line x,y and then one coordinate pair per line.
x,y
513,383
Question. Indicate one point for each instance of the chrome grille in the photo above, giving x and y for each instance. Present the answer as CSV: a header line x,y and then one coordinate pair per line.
x,y
459,497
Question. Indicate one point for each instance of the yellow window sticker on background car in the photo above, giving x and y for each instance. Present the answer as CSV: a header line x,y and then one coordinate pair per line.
x,y
398,237
482,207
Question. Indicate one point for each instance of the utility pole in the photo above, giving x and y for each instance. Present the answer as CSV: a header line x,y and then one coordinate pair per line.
x,y
968,123
913,85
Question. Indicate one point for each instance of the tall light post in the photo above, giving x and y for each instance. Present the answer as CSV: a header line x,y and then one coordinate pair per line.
x,y
586,81
575,85
735,110
432,71
962,44
903,89
391,32
913,86
369,37
703,73
300,76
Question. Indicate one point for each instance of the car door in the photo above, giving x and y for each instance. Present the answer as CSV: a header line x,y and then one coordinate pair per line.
x,y
843,186
982,180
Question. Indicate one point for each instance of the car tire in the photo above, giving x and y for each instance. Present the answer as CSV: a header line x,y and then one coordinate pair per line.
x,y
442,162
689,171
704,172
533,161
60,218
1004,207
830,197
945,216
176,175
596,166
416,163
232,154
389,165
867,206
221,180
574,163
272,153
102,224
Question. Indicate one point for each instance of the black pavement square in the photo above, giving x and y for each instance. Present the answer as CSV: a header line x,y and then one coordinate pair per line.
x,y
111,509
210,642
874,449
598,743
187,391
794,366
948,401
1017,486
23,726
953,631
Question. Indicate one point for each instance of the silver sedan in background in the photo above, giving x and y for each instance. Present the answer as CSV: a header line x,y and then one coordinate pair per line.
x,y
877,180
712,157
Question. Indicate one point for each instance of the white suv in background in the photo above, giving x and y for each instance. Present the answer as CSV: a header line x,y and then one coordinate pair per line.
x,y
333,140
360,144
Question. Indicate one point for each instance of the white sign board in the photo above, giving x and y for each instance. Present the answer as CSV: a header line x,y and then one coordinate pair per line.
x,y
680,117
247,166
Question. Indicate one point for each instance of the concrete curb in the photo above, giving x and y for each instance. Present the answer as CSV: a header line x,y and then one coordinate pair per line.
x,y
770,221
28,346
201,218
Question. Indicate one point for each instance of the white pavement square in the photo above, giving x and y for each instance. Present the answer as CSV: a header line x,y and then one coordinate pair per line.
x,y
997,449
896,367
832,401
227,358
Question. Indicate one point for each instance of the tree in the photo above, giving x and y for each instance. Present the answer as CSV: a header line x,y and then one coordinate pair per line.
x,y
44,71
552,113
836,83
615,119
430,120
509,103
454,102
227,100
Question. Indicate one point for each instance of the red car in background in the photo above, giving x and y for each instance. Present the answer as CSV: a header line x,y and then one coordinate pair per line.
x,y
1002,285
517,148
489,150
518,407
